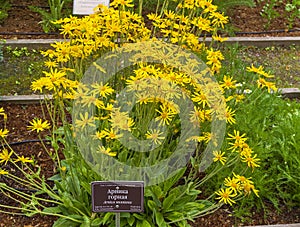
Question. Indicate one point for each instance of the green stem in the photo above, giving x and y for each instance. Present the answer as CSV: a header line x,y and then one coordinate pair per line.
x,y
38,211
140,7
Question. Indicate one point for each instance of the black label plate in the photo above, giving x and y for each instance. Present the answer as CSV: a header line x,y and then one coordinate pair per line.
x,y
118,196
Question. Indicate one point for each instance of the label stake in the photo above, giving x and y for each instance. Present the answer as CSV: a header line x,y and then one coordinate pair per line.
x,y
117,219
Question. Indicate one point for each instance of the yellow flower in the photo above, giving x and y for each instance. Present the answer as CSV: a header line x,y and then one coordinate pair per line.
x,y
202,23
111,134
23,159
189,4
88,100
198,116
239,97
208,7
50,64
108,107
259,70
166,115
226,195
102,90
57,78
50,53
106,151
242,179
3,172
214,59
116,3
245,150
39,84
218,19
228,83
212,54
271,86
200,98
248,187
229,114
236,136
100,135
120,120
154,17
219,156
3,132
251,161
207,136
236,145
84,120
67,29
169,14
38,125
232,183
2,112
261,82
5,156
154,135
219,38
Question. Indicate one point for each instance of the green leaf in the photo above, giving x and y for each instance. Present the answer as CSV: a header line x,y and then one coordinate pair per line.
x,y
63,222
67,200
152,205
125,215
52,210
183,223
107,217
145,223
86,186
139,224
131,220
170,182
60,186
139,217
74,182
191,189
160,221
174,216
157,191
96,222
86,222
167,203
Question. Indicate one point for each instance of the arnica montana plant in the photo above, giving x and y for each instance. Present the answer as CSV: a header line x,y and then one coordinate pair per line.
x,y
163,101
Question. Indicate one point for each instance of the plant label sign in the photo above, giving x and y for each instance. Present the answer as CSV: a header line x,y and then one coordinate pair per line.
x,y
118,196
86,7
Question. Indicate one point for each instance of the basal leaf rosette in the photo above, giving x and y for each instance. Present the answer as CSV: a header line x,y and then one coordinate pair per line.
x,y
141,111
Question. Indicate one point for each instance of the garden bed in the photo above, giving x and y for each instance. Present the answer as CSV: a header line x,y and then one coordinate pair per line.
x,y
23,23
19,116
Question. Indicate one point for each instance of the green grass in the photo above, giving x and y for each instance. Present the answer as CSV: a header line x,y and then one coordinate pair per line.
x,y
19,67
282,62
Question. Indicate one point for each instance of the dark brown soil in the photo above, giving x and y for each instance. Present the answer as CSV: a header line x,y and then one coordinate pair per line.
x,y
19,117
247,20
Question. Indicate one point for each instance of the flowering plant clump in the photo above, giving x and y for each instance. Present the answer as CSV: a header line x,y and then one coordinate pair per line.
x,y
150,122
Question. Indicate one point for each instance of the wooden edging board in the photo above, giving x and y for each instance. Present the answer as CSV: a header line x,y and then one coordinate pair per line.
x,y
24,99
244,41
280,225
